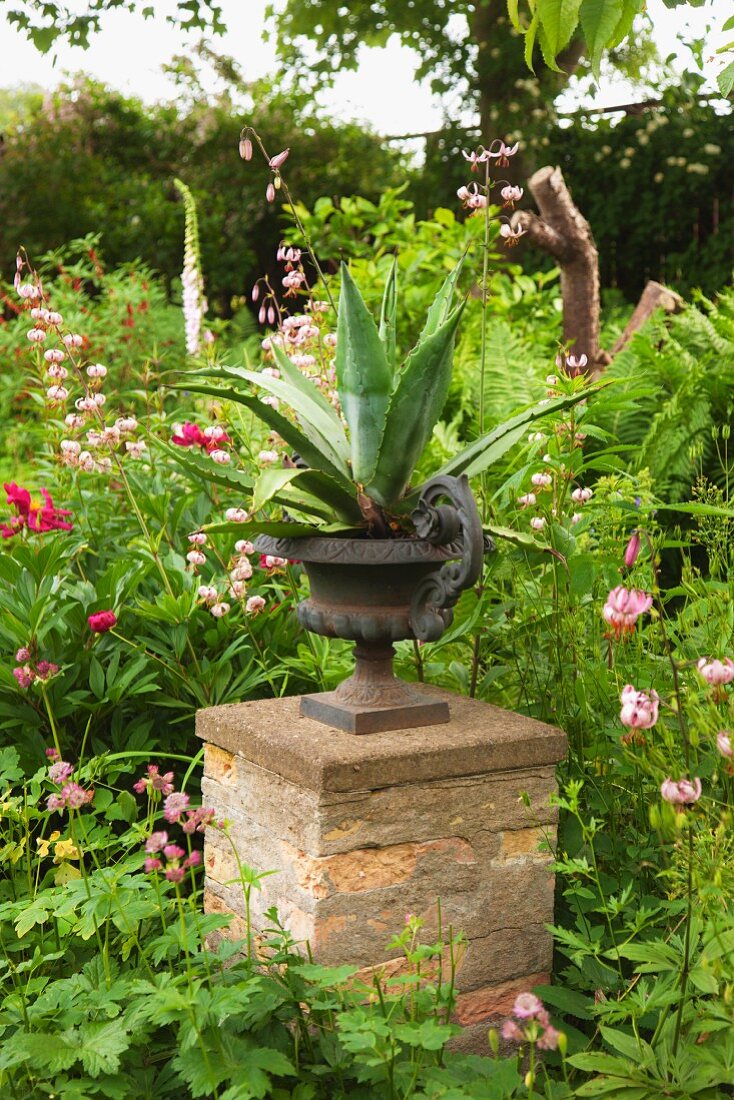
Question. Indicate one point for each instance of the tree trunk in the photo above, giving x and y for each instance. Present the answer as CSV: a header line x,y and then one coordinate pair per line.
x,y
563,232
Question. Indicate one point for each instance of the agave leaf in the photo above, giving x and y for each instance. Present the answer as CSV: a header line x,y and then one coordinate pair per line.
x,y
478,456
310,452
509,534
314,396
442,303
414,408
201,466
363,378
388,314
280,529
322,430
272,481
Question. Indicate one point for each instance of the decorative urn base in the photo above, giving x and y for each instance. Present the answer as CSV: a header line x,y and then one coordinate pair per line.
x,y
375,592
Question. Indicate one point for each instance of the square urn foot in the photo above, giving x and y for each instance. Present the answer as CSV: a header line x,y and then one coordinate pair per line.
x,y
327,708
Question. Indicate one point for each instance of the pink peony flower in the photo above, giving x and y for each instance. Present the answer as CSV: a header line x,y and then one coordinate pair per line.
x,y
683,793
102,621
639,709
624,607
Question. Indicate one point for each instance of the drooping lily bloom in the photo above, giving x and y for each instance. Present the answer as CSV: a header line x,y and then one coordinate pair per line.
x,y
476,157
624,607
716,672
511,234
724,745
503,153
639,708
511,195
279,159
683,793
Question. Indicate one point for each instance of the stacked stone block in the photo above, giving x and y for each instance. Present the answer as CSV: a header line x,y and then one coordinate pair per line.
x,y
362,830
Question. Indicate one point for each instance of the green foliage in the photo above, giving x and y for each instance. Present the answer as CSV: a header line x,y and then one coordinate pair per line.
x,y
53,22
93,158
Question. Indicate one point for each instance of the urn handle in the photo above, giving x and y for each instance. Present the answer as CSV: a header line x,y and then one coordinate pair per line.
x,y
433,600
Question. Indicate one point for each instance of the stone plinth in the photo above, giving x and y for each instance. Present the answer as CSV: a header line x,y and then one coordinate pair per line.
x,y
362,830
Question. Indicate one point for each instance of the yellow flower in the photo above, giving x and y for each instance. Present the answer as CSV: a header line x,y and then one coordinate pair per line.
x,y
44,844
65,849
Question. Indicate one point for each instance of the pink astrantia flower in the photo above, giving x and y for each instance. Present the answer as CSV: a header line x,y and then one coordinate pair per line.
x,y
639,708
102,621
24,676
511,1032
60,771
193,860
624,607
683,793
724,745
154,781
175,874
173,851
174,806
527,1006
152,864
23,655
71,796
197,820
156,842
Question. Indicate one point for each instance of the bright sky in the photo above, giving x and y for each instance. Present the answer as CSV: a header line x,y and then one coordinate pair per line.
x,y
129,52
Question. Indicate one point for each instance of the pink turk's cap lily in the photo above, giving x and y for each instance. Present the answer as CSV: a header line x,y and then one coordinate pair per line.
x,y
639,708
716,672
624,607
724,745
683,793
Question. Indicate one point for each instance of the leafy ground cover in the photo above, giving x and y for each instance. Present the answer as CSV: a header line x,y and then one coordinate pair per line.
x,y
131,595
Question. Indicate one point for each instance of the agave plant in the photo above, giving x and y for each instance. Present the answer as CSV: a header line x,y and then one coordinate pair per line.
x,y
352,474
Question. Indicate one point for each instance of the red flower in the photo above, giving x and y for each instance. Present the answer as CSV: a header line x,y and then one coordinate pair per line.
x,y
189,435
102,621
46,518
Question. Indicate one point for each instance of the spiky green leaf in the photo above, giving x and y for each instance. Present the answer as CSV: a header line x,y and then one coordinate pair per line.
x,y
363,378
200,466
414,408
443,302
272,481
312,394
388,314
298,440
280,529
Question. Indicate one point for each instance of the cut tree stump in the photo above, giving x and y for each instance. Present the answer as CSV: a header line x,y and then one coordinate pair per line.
x,y
562,231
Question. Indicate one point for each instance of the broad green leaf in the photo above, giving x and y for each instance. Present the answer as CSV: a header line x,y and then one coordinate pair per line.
x,y
442,303
530,34
324,488
599,19
388,314
512,11
558,21
508,534
631,9
363,378
414,408
285,428
725,79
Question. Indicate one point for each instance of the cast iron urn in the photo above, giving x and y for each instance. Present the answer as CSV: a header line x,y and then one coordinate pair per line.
x,y
378,591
